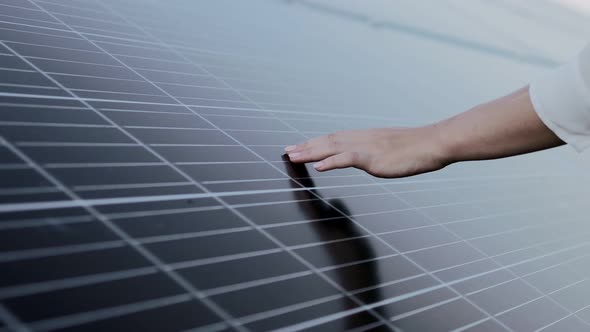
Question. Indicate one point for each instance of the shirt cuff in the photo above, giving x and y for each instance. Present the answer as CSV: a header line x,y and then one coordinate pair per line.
x,y
561,98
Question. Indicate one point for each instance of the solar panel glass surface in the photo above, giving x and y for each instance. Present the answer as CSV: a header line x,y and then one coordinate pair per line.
x,y
143,187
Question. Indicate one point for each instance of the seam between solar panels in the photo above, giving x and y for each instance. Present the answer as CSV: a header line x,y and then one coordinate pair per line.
x,y
36,106
17,70
12,85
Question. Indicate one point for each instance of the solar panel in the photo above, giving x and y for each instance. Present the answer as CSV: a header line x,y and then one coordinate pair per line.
x,y
143,184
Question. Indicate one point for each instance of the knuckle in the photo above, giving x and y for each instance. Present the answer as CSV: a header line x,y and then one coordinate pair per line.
x,y
373,168
354,158
304,153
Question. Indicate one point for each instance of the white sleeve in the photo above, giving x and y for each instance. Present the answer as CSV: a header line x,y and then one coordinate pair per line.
x,y
561,98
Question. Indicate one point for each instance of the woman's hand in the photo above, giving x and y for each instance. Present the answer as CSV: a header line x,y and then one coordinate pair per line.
x,y
383,152
500,128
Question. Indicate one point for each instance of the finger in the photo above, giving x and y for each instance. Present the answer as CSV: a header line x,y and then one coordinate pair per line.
x,y
305,145
317,148
342,160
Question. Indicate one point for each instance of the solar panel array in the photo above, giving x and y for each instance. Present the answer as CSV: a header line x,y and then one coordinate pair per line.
x,y
143,187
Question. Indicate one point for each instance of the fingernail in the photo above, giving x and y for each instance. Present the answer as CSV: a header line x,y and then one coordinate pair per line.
x,y
318,165
294,155
290,148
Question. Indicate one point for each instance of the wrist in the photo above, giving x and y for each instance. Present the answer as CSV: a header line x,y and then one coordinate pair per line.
x,y
443,147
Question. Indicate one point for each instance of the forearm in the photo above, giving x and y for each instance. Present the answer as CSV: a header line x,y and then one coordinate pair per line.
x,y
503,127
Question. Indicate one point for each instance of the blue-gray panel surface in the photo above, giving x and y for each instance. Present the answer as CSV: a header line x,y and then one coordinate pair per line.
x,y
143,187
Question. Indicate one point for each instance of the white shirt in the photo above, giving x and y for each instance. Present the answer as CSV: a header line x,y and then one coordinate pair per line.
x,y
561,98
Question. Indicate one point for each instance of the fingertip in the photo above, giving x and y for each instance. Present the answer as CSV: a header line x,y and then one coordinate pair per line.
x,y
290,148
319,166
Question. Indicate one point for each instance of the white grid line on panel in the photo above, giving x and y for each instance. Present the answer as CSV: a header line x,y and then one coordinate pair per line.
x,y
12,322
